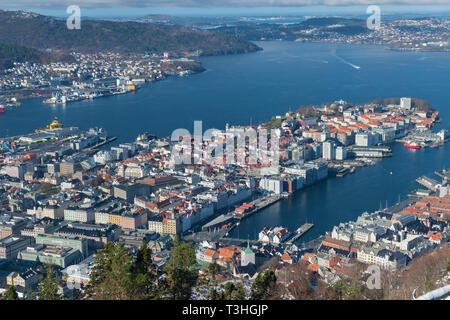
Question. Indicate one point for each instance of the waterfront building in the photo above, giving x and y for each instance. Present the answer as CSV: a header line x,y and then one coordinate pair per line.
x,y
329,150
341,153
405,103
272,184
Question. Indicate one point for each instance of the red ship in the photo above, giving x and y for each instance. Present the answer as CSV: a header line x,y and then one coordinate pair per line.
x,y
2,109
412,145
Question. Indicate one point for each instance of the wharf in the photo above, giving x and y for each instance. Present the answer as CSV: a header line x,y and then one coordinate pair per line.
x,y
106,141
300,232
444,174
419,193
428,183
259,204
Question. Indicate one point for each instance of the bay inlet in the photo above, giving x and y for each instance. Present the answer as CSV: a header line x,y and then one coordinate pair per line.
x,y
254,87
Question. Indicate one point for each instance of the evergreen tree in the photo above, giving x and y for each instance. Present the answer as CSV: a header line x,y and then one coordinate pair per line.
x,y
347,291
212,269
48,288
11,294
263,285
111,278
181,277
143,274
233,291
143,259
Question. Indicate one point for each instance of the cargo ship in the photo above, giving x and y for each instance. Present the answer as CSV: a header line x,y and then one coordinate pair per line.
x,y
412,145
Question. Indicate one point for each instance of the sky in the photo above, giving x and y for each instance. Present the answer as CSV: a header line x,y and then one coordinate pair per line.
x,y
136,8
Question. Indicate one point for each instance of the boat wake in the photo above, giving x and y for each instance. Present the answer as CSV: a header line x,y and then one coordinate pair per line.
x,y
333,52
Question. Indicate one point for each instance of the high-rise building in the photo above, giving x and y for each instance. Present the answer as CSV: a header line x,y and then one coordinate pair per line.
x,y
329,150
341,153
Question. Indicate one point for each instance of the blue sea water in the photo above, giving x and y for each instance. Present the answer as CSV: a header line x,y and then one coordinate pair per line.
x,y
253,87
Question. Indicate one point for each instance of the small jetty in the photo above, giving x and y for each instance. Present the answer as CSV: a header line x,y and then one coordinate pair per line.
x,y
300,232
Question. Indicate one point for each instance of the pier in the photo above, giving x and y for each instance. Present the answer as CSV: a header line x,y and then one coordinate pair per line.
x,y
428,183
259,204
444,174
106,141
300,232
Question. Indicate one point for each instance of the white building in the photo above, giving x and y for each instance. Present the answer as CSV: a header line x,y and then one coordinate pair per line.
x,y
247,256
341,153
329,150
405,103
274,185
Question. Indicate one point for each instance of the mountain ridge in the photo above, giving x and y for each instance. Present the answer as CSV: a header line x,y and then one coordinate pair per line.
x,y
43,32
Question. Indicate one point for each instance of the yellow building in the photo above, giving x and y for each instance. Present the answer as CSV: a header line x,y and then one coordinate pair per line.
x,y
115,219
171,226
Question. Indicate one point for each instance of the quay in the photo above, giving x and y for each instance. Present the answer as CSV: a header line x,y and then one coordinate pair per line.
x,y
106,141
259,204
428,183
300,232
444,174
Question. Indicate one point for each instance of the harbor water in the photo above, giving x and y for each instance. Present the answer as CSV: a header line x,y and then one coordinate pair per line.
x,y
237,89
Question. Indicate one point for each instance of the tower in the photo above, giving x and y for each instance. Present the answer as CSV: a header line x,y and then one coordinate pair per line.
x,y
247,256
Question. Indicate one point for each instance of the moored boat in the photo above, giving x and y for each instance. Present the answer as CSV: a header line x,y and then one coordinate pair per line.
x,y
412,145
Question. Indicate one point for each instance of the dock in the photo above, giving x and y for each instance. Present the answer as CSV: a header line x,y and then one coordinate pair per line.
x,y
443,174
428,183
259,205
106,141
300,232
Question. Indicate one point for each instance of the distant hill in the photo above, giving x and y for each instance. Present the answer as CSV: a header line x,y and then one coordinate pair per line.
x,y
329,21
10,53
322,27
42,32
